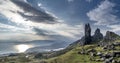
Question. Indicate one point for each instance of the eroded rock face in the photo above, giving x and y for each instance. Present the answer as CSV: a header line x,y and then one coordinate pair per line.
x,y
98,36
111,36
82,41
88,38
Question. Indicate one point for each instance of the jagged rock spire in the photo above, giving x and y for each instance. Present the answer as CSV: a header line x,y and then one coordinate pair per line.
x,y
97,35
87,34
97,31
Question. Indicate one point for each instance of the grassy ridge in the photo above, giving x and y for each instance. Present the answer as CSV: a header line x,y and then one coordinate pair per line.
x,y
73,56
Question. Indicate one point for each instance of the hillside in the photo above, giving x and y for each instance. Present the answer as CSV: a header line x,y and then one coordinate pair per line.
x,y
86,54
79,54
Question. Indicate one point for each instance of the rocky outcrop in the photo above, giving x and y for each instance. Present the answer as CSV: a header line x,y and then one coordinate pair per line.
x,y
88,38
110,36
98,36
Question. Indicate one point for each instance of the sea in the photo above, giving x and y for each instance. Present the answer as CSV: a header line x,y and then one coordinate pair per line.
x,y
20,47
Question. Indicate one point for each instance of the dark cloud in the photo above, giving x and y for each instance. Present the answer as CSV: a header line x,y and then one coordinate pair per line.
x,y
37,15
51,34
41,32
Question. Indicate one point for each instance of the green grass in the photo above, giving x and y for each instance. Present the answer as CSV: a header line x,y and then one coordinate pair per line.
x,y
73,57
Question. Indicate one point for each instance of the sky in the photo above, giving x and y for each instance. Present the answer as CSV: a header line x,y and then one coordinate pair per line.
x,y
28,20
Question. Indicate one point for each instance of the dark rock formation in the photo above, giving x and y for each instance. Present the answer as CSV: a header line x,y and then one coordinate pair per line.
x,y
88,38
98,36
82,41
110,36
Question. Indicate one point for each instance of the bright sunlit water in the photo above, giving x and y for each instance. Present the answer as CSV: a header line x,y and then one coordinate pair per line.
x,y
20,47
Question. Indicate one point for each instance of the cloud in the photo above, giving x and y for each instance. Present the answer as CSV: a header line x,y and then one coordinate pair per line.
x,y
60,31
21,37
39,4
115,28
36,15
42,32
89,1
37,24
20,34
20,10
50,34
103,14
70,0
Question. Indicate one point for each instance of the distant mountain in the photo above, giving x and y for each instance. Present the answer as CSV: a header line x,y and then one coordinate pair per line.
x,y
53,45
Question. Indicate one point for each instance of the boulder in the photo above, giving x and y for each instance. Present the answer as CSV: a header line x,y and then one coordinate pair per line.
x,y
99,54
107,55
114,61
109,47
103,58
116,54
116,44
109,60
92,54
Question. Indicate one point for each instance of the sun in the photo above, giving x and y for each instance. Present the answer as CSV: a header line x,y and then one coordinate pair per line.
x,y
22,47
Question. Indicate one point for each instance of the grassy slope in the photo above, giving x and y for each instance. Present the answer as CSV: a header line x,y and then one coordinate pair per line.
x,y
73,56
